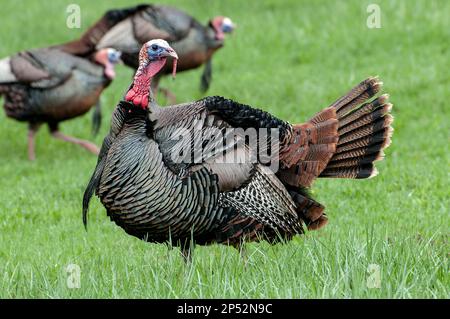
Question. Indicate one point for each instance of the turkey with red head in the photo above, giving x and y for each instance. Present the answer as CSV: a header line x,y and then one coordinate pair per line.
x,y
129,28
163,173
51,86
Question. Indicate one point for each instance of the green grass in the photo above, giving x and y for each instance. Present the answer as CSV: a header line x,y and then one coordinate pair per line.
x,y
291,58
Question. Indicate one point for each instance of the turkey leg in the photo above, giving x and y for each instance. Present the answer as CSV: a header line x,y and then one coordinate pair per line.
x,y
171,98
32,129
85,144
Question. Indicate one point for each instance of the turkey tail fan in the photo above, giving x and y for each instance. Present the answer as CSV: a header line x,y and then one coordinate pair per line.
x,y
89,40
312,146
364,131
343,140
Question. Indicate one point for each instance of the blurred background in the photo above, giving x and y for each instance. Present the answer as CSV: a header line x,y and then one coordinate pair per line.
x,y
291,58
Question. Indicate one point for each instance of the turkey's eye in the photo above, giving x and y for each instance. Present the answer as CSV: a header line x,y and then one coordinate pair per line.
x,y
154,47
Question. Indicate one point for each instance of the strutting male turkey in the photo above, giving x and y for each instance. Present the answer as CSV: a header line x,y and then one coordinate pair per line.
x,y
128,29
155,197
51,86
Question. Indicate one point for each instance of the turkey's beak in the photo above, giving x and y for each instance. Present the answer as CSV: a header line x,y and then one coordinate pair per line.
x,y
171,52
232,28
118,58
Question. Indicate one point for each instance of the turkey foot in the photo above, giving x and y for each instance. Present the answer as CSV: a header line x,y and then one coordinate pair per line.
x,y
85,144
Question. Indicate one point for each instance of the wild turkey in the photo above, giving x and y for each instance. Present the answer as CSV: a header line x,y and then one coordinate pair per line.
x,y
153,195
129,28
50,86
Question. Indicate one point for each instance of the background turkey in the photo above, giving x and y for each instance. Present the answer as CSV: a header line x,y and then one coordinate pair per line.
x,y
128,29
50,86
159,199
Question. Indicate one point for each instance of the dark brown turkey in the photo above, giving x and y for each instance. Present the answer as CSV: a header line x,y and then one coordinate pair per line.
x,y
50,86
163,174
128,29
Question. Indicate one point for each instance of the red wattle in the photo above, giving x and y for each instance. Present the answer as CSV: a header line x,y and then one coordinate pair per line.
x,y
130,95
144,102
137,100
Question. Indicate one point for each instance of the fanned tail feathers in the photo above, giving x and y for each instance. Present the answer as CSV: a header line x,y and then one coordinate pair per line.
x,y
364,132
312,146
343,140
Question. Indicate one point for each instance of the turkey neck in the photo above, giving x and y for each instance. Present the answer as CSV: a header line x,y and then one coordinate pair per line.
x,y
141,94
211,40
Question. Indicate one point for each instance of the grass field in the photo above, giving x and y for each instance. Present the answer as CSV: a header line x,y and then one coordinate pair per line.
x,y
291,58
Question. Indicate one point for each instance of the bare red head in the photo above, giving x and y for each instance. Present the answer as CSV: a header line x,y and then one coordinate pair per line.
x,y
222,25
152,58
